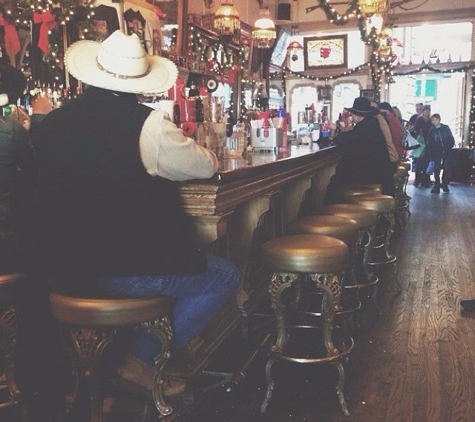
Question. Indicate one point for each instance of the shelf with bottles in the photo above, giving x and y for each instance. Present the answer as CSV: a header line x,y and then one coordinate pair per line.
x,y
56,94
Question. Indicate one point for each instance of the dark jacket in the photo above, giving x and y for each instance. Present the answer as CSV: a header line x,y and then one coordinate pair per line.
x,y
365,158
102,213
440,142
421,126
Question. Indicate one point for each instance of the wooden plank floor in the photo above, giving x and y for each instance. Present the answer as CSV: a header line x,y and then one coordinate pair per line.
x,y
416,363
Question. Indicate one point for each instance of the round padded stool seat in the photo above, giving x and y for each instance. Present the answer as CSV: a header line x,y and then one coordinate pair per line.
x,y
306,253
367,186
406,165
381,203
363,216
13,396
341,228
401,172
108,312
354,191
9,286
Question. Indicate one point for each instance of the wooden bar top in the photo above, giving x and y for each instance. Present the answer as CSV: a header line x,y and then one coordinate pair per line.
x,y
239,179
247,201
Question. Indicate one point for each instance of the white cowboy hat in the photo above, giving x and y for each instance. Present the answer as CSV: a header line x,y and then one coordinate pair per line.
x,y
120,63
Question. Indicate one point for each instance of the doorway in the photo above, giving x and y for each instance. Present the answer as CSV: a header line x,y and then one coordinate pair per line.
x,y
444,92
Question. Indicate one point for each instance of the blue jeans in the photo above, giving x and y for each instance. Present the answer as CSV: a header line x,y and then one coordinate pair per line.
x,y
199,297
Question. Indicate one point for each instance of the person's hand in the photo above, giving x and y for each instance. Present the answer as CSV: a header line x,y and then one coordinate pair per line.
x,y
24,118
41,105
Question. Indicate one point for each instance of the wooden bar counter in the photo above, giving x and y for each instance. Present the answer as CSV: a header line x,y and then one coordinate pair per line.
x,y
248,201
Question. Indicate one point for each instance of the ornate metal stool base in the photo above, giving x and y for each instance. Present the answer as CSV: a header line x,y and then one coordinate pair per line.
x,y
90,325
330,285
366,220
8,340
319,261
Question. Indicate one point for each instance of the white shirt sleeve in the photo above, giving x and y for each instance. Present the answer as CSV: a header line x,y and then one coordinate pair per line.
x,y
166,152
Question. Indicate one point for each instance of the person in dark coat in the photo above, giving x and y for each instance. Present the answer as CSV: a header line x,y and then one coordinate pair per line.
x,y
440,142
365,154
17,173
422,127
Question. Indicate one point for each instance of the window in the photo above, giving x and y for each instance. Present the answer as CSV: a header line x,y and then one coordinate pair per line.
x,y
433,43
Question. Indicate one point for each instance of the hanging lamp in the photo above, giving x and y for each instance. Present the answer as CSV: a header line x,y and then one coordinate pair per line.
x,y
371,7
295,46
293,49
264,33
226,19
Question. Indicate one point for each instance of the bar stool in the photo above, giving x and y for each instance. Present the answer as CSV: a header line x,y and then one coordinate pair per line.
x,y
367,186
318,260
355,190
9,285
89,325
402,212
385,206
366,220
345,229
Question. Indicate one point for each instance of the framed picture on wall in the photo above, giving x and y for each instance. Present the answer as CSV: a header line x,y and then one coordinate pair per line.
x,y
368,93
325,52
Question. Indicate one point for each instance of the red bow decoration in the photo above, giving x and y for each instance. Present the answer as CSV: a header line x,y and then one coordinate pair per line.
x,y
216,67
48,23
12,42
232,74
188,129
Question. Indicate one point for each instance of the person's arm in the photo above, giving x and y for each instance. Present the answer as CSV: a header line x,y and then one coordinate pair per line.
x,y
22,149
166,152
41,107
343,138
450,140
429,151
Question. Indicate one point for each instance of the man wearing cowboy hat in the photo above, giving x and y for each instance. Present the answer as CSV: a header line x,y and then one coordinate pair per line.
x,y
112,222
365,155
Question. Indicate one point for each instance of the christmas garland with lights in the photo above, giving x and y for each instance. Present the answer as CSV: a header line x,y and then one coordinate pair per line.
x,y
471,128
323,78
353,10
465,68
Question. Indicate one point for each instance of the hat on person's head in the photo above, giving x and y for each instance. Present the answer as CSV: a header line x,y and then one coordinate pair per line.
x,y
12,84
386,106
362,107
121,64
426,107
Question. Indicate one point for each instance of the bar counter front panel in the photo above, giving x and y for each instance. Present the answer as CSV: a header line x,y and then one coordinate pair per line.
x,y
250,200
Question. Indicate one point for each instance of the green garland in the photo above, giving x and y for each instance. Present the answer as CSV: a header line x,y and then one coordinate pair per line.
x,y
379,66
472,116
342,19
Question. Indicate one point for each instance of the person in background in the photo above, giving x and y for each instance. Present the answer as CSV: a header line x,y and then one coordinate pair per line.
x,y
18,173
398,114
365,154
419,107
440,142
422,127
395,127
111,221
383,124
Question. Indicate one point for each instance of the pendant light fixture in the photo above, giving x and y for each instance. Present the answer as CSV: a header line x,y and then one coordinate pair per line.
x,y
374,12
295,46
264,33
226,19
372,7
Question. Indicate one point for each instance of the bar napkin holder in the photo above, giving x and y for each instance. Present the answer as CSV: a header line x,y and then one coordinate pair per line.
x,y
268,138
